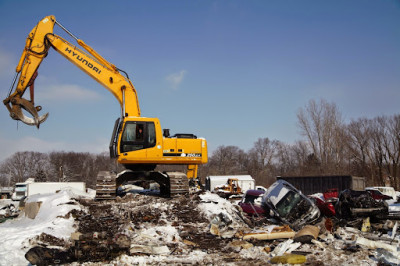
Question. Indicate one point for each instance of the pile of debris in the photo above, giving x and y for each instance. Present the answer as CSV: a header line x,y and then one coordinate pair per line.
x,y
8,211
202,228
136,226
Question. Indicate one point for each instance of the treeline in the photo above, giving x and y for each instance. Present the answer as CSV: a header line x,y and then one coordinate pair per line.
x,y
362,147
368,147
55,167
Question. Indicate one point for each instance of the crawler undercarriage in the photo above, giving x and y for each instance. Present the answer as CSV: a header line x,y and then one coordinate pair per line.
x,y
171,184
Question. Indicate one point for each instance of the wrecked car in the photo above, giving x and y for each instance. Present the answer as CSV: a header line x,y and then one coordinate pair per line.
x,y
289,205
377,195
388,191
326,202
353,204
251,202
332,193
326,207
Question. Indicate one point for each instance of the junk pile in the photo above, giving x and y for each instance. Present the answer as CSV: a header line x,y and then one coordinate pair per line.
x,y
204,228
8,212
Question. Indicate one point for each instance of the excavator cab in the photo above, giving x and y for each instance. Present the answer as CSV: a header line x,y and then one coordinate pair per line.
x,y
135,137
138,141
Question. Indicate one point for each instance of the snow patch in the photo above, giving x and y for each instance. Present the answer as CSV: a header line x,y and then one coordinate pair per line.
x,y
15,234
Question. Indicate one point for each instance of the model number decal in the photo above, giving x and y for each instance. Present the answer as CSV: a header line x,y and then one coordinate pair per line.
x,y
193,155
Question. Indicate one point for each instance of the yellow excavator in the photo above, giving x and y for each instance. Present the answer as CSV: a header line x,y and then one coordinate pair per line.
x,y
138,143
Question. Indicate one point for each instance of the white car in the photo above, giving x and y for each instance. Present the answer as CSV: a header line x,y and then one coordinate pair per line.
x,y
289,205
389,191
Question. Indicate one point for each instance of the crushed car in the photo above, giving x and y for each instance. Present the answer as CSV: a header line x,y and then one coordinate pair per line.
x,y
377,195
325,206
388,191
251,203
353,204
289,205
326,201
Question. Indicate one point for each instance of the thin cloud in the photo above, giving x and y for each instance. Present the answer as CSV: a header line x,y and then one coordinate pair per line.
x,y
176,79
66,92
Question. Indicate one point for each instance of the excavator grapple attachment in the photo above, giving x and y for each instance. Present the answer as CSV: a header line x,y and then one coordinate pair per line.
x,y
16,113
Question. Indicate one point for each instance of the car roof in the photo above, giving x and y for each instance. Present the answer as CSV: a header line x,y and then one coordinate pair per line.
x,y
254,192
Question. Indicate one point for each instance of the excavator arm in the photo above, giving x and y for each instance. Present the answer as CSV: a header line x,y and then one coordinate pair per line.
x,y
38,43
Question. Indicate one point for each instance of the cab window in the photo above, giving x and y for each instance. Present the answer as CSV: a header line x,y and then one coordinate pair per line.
x,y
137,136
151,134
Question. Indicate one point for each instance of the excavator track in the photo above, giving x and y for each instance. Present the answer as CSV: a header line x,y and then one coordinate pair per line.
x,y
175,183
106,186
179,184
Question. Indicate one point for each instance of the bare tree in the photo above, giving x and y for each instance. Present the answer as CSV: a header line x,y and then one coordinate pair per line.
x,y
377,128
292,159
359,146
261,158
390,126
226,160
394,147
71,166
322,125
24,165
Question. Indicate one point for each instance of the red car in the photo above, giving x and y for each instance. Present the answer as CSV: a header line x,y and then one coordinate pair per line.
x,y
327,204
326,207
331,193
251,202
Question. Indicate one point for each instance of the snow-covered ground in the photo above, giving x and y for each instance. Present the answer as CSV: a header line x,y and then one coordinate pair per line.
x,y
15,234
171,231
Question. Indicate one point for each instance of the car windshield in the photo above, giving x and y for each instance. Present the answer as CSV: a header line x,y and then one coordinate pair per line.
x,y
287,203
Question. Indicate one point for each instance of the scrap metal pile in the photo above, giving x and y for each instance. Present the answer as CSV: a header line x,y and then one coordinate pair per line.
x,y
8,212
206,229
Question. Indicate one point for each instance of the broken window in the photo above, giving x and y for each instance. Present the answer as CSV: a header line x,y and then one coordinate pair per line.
x,y
287,203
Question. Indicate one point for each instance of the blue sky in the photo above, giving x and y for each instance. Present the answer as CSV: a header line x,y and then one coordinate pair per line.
x,y
229,71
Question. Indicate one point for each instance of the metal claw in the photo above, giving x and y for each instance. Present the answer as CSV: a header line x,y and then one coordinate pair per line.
x,y
16,112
